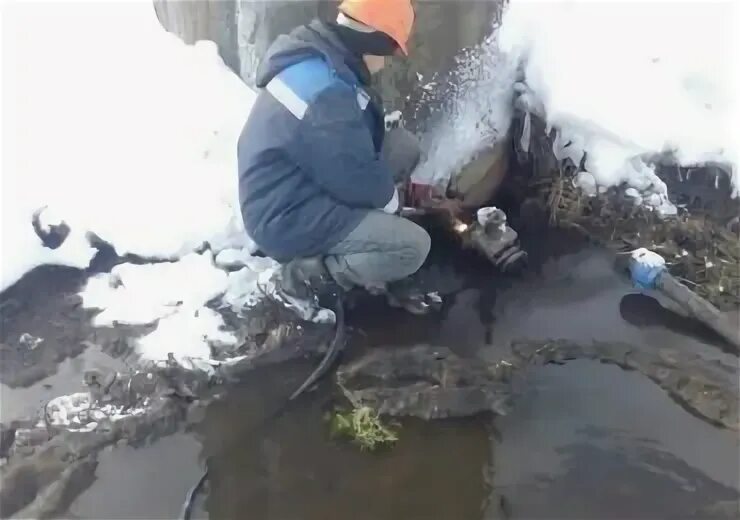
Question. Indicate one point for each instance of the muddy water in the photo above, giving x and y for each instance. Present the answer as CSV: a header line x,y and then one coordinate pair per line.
x,y
146,482
588,440
584,440
19,402
293,469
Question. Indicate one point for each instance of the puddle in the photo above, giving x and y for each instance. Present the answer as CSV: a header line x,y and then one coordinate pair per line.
x,y
292,469
19,402
587,440
146,482
584,440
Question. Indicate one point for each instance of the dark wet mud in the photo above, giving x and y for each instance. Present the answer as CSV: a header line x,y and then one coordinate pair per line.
x,y
582,440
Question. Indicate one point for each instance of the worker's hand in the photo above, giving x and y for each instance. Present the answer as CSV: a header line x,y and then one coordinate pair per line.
x,y
449,206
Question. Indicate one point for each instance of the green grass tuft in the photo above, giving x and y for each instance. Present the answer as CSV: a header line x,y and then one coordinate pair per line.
x,y
363,427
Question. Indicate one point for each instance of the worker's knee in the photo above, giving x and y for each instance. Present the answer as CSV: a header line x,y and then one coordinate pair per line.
x,y
416,249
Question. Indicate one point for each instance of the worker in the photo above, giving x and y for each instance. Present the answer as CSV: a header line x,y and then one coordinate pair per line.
x,y
318,175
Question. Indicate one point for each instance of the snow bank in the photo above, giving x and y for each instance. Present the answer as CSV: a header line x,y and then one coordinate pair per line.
x,y
120,129
623,79
117,128
619,80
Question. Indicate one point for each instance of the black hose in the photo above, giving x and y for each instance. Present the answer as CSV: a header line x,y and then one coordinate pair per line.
x,y
187,507
335,347
330,357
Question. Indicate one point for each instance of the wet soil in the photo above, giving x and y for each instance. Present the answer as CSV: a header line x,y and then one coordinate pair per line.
x,y
583,440
45,306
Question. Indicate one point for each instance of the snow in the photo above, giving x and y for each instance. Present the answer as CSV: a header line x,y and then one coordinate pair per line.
x,y
622,80
119,129
586,182
174,295
185,334
246,286
140,294
77,412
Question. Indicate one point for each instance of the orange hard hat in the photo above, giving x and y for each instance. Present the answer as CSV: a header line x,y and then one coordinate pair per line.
x,y
392,17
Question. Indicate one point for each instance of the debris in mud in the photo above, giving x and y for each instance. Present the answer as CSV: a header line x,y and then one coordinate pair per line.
x,y
49,467
270,333
701,243
432,382
423,381
56,450
708,388
29,341
41,324
363,427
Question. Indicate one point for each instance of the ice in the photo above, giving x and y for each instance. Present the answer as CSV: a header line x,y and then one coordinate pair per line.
x,y
118,128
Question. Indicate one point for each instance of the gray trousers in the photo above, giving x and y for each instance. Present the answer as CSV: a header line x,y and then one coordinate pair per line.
x,y
383,248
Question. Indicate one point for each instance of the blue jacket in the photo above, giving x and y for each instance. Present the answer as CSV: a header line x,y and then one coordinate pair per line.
x,y
309,164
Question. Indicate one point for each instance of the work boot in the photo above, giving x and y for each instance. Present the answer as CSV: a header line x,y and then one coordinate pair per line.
x,y
306,286
404,295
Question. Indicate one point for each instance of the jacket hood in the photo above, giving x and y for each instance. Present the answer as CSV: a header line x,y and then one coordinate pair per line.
x,y
309,41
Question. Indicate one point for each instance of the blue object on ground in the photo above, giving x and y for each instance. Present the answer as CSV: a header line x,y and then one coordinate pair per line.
x,y
645,275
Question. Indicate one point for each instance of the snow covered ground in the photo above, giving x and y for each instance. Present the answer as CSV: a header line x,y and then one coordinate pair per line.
x,y
619,80
121,130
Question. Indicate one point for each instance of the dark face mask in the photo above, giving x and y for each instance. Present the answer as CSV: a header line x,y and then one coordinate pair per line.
x,y
376,43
